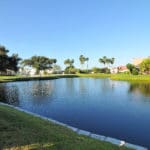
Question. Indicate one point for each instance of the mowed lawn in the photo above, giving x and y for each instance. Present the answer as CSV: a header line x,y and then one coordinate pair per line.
x,y
19,130
122,77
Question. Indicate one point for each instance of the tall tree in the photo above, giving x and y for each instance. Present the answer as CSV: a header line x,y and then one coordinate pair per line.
x,y
3,59
112,60
69,62
8,62
3,50
103,60
87,60
39,63
83,59
13,62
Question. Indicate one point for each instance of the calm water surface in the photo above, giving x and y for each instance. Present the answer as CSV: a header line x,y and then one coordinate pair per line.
x,y
111,108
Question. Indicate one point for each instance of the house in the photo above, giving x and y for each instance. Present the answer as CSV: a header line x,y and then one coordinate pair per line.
x,y
119,69
8,72
114,70
122,69
29,71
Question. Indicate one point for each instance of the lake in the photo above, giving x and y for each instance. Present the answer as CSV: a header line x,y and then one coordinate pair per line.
x,y
112,108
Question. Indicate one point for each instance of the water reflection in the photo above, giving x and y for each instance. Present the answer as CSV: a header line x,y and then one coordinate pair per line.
x,y
9,94
140,88
41,88
112,108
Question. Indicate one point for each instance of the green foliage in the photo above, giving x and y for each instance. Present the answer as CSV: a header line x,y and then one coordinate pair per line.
x,y
69,62
145,66
96,70
39,62
8,62
3,50
101,70
70,70
130,67
104,60
133,70
84,71
105,70
56,68
83,60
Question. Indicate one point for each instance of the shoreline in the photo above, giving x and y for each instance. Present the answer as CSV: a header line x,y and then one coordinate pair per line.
x,y
114,141
115,77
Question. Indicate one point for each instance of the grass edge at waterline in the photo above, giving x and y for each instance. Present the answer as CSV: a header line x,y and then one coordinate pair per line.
x,y
119,77
22,130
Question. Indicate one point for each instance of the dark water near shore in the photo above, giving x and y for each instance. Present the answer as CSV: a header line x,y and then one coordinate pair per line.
x,y
111,108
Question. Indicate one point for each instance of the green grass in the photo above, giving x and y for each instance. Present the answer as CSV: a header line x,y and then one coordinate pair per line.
x,y
132,78
25,78
19,130
96,75
122,77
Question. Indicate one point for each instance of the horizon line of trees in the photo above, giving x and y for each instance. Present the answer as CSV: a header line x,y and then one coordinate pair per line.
x,y
42,63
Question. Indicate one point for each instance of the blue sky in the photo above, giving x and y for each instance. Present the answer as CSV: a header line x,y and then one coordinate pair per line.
x,y
68,28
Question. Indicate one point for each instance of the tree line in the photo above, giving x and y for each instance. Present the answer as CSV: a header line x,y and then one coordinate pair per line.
x,y
42,63
104,60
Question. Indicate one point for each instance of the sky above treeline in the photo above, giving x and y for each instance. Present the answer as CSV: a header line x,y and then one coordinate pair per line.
x,y
64,29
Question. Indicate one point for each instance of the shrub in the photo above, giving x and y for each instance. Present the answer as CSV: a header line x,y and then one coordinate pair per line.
x,y
70,70
135,71
96,70
105,70
145,66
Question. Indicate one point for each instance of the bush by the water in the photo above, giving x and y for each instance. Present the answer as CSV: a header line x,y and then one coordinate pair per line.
x,y
100,70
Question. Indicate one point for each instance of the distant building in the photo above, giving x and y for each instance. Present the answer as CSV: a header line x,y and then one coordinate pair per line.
x,y
114,70
29,71
122,69
119,69
8,72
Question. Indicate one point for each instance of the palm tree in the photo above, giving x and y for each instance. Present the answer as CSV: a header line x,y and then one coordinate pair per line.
x,y
112,60
87,60
82,60
103,60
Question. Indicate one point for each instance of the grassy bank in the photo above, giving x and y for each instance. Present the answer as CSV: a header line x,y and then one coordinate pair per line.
x,y
132,78
19,130
25,78
122,77
97,75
